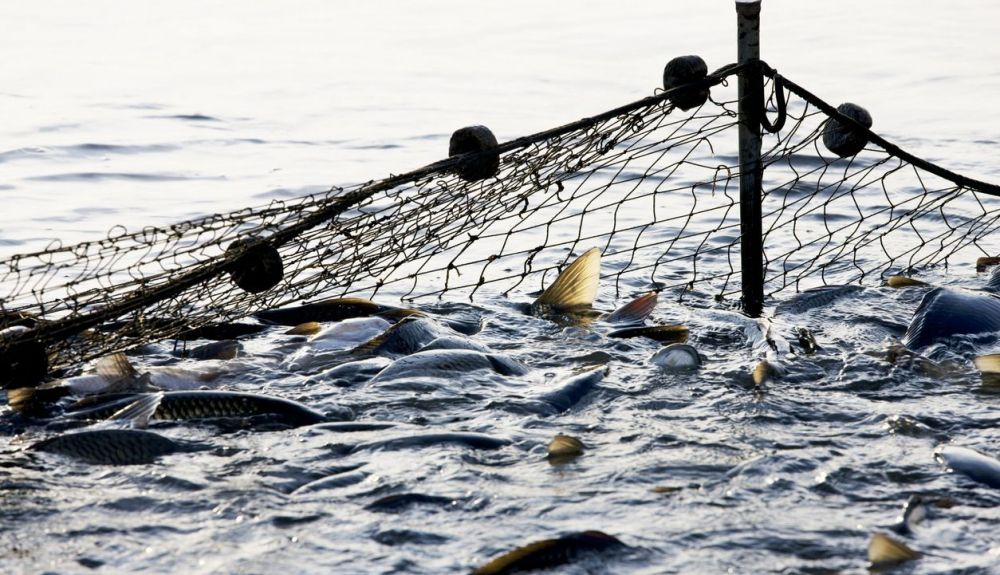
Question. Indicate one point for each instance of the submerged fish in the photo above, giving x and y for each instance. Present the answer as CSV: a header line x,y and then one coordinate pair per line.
x,y
943,313
815,298
549,553
972,464
401,501
112,446
446,363
224,349
463,439
181,405
454,342
564,448
354,372
662,333
337,309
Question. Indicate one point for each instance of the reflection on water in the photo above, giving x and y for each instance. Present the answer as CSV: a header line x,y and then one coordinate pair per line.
x,y
147,115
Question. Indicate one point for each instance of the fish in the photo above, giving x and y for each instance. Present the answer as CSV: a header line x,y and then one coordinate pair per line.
x,y
447,363
662,333
454,342
677,356
112,374
112,446
354,372
222,349
399,502
946,312
815,298
550,553
807,341
349,333
918,508
337,309
331,345
572,390
342,479
971,463
405,337
993,282
984,262
462,439
904,281
575,287
184,405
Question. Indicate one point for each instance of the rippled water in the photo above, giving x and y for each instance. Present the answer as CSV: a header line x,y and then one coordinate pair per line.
x,y
121,114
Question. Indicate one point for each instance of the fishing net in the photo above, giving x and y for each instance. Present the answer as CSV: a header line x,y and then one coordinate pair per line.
x,y
655,187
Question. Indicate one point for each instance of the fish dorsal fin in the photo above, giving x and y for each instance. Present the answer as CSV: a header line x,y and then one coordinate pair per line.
x,y
576,286
635,311
884,550
140,411
370,346
115,368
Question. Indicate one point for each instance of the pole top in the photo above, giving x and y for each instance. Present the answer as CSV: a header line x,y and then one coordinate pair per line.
x,y
748,8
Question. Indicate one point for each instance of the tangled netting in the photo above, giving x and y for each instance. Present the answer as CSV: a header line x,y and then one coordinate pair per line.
x,y
654,187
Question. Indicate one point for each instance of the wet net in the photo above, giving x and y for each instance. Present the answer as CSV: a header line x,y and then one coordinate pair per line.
x,y
655,187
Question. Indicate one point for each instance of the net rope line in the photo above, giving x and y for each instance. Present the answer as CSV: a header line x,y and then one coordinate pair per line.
x,y
654,187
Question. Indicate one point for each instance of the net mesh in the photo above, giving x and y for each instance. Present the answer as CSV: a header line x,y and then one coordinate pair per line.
x,y
654,187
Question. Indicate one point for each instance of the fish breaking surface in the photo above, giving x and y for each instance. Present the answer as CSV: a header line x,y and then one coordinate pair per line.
x,y
386,439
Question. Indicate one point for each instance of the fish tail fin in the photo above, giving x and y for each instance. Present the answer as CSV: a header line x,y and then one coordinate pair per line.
x,y
115,368
576,286
766,372
33,399
988,364
884,550
635,311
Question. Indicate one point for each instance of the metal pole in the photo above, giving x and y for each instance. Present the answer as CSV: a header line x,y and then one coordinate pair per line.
x,y
751,105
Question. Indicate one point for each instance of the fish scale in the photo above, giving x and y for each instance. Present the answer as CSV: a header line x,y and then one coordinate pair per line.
x,y
180,405
110,446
